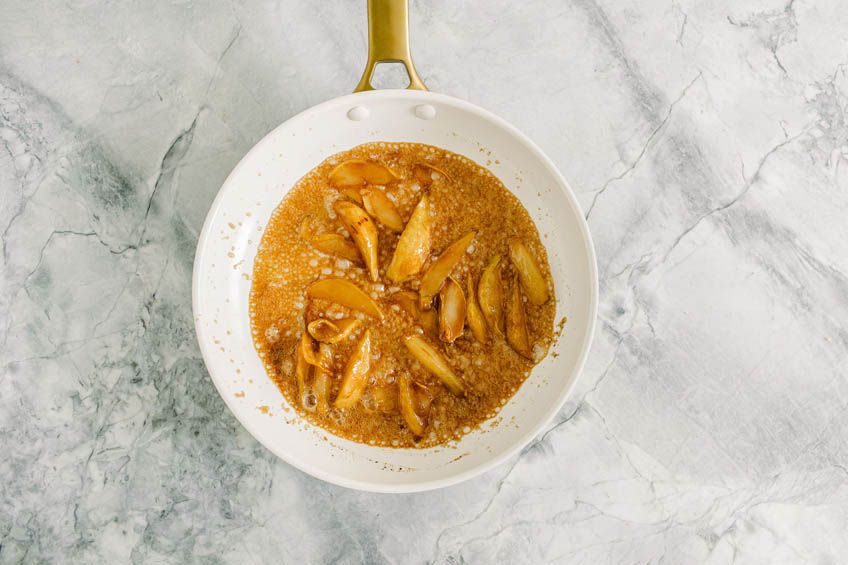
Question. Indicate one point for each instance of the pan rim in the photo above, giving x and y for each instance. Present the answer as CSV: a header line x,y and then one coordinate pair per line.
x,y
518,445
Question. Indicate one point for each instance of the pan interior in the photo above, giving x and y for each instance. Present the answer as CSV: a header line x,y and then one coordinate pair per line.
x,y
233,229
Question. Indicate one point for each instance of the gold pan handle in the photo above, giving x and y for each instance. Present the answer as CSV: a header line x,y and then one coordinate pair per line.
x,y
388,40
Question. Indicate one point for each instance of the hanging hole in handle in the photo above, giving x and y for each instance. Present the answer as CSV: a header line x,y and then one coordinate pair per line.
x,y
390,74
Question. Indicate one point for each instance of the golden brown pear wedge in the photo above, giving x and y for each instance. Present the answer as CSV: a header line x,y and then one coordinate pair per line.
x,y
408,300
310,352
353,194
429,321
355,372
332,331
490,295
347,294
423,397
322,381
516,323
423,173
474,315
531,276
386,398
301,370
358,172
306,229
333,244
337,245
406,400
434,361
413,246
452,309
363,231
439,270
378,205
321,387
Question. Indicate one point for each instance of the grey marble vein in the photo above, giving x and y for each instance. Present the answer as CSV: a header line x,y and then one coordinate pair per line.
x,y
708,146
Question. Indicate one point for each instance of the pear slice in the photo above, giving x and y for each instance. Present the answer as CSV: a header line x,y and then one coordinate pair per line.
x,y
423,397
434,361
332,331
423,173
322,380
337,245
429,321
474,315
408,300
353,194
490,294
358,172
306,229
333,244
355,371
310,352
516,323
345,293
413,246
406,400
531,276
378,205
386,398
439,270
452,309
362,230
301,368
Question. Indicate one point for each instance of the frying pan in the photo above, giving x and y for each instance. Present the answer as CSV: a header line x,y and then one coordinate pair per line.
x,y
233,229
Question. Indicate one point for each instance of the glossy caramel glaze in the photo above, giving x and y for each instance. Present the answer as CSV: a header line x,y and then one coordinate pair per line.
x,y
463,197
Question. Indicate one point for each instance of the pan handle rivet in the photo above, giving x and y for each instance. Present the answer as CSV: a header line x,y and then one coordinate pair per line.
x,y
357,113
425,112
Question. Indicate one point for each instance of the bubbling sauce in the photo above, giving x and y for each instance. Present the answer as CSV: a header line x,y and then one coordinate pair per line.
x,y
428,376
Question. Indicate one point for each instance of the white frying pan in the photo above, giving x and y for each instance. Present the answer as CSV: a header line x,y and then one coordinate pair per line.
x,y
233,228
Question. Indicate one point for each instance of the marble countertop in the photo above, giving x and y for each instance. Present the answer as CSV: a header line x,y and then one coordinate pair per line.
x,y
707,144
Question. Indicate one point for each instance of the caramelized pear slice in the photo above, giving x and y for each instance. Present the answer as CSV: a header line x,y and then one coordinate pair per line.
x,y
423,397
345,293
323,380
423,173
355,371
336,245
451,311
378,205
439,270
429,321
413,246
407,403
332,331
358,172
516,323
353,194
531,276
363,231
306,229
474,315
408,300
310,352
490,294
386,398
301,368
333,244
434,361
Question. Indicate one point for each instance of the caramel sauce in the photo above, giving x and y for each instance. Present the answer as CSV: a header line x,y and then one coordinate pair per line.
x,y
463,197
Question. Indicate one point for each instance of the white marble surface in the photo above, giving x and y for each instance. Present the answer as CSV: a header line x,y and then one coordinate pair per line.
x,y
707,142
